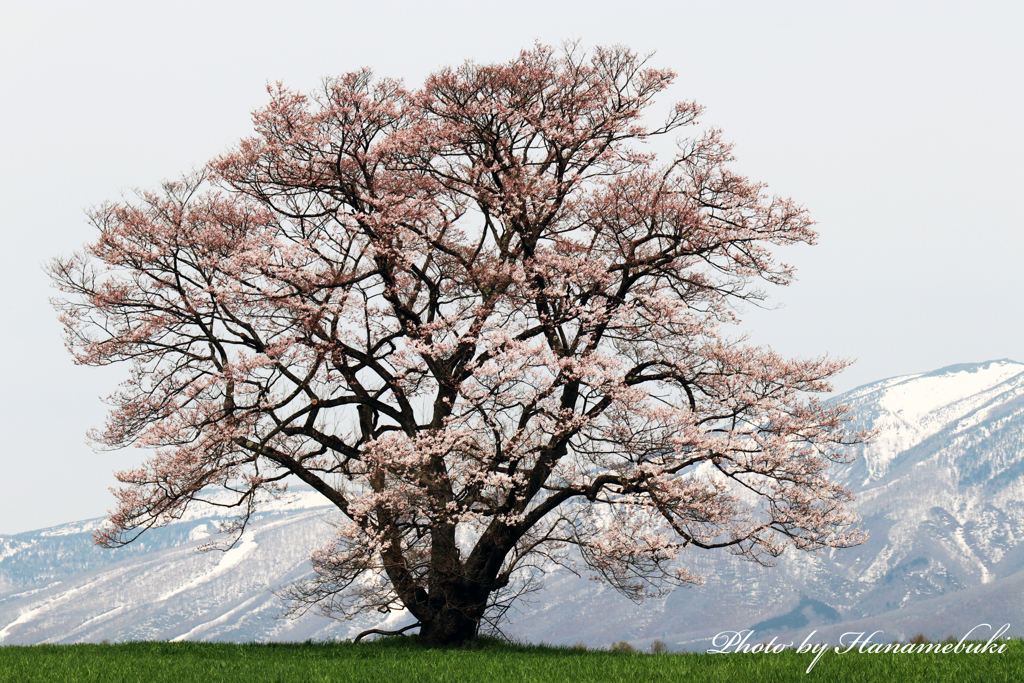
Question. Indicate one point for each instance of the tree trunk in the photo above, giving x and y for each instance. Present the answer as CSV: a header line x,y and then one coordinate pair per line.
x,y
453,624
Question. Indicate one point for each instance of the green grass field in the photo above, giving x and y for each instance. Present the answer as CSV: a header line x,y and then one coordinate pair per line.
x,y
401,659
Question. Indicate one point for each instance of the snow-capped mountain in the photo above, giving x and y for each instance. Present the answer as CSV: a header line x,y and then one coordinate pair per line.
x,y
940,489
57,586
941,492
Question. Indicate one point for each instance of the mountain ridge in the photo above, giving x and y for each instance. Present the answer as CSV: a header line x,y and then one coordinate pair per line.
x,y
941,490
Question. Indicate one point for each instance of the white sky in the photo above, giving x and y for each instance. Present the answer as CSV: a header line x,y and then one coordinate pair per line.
x,y
898,124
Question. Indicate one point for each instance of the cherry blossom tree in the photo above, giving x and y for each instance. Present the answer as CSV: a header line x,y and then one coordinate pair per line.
x,y
479,317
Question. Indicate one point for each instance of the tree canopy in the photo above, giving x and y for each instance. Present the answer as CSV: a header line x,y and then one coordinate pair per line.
x,y
482,319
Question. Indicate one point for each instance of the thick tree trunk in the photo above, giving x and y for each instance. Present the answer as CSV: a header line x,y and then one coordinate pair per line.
x,y
455,612
455,603
450,627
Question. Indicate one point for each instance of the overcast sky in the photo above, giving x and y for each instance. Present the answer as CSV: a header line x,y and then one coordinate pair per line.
x,y
898,124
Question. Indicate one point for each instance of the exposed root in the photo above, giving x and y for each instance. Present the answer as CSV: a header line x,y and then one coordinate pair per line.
x,y
371,631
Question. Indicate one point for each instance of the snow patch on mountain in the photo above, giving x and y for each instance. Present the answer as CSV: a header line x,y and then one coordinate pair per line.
x,y
228,561
907,410
222,619
920,395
